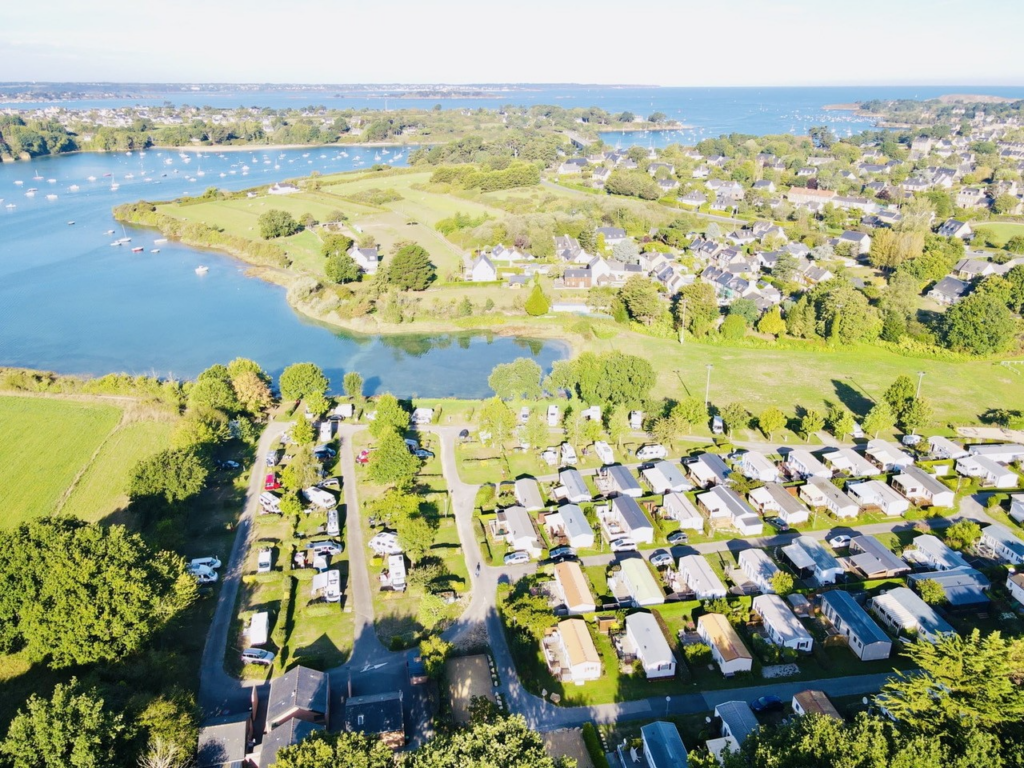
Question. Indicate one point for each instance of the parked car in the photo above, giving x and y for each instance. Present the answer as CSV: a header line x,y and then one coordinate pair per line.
x,y
330,482
517,558
717,425
413,444
840,542
767,704
229,464
265,560
209,562
363,457
325,547
423,453
272,458
661,559
257,656
271,483
204,574
562,553
623,545
655,451
678,537
777,523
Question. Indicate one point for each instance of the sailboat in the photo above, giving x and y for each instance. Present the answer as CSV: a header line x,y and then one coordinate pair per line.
x,y
202,270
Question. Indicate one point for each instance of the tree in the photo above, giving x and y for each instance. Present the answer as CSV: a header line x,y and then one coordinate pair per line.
x,y
497,419
507,741
78,593
917,414
842,313
962,534
411,269
275,223
733,327
317,404
697,308
252,392
341,268
392,463
613,378
303,432
812,421
353,386
770,420
931,591
336,750
1015,244
689,412
899,394
879,419
663,430
617,425
200,430
172,476
71,728
435,652
840,421
625,251
389,417
782,583
535,431
657,117
713,232
735,416
785,267
335,245
641,299
303,470
301,379
800,320
980,324
537,304
213,392
746,309
1005,204
519,379
771,322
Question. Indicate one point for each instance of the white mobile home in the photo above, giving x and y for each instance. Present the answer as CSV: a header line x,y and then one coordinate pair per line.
x,y
708,469
991,473
697,574
755,466
515,526
923,488
1004,453
527,492
570,523
888,456
876,561
759,568
582,660
866,639
803,464
678,507
943,448
665,477
727,649
903,611
724,506
625,518
849,462
774,499
809,557
1006,546
929,551
574,588
554,416
1017,507
621,481
637,580
781,624
573,489
875,493
650,646
822,494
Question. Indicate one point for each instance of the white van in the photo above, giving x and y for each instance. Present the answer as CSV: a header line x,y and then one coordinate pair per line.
x,y
333,529
604,452
554,416
568,454
648,452
259,628
269,503
333,592
717,426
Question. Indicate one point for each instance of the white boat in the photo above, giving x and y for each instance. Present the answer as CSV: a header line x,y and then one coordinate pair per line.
x,y
160,241
51,181
109,232
114,187
51,197
71,223
30,193
155,250
73,188
201,270
115,244
37,177
91,178
19,182
377,156
129,175
10,205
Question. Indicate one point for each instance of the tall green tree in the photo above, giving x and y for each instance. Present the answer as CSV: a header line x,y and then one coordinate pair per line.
x,y
535,431
641,299
391,463
301,379
980,324
537,303
697,308
335,245
962,534
689,412
879,419
411,269
353,386
341,268
508,742
735,416
812,421
770,420
840,421
519,379
336,750
497,419
276,223
390,416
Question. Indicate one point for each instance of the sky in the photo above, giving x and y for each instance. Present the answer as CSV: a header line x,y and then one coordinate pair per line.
x,y
655,42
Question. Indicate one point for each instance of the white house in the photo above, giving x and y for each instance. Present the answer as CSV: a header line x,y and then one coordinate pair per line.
x,y
665,477
518,531
860,241
814,703
774,499
574,588
697,574
923,488
708,469
875,560
635,577
1004,453
1015,583
803,464
738,720
903,611
482,270
931,552
678,507
991,473
727,649
781,624
875,493
650,646
866,639
625,518
808,555
621,481
759,568
582,660
849,462
662,746
822,494
527,492
570,523
887,455
755,466
1017,507
943,448
1002,541
573,489
725,506
367,259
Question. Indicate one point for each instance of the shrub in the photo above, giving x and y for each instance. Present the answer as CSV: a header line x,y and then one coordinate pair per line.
x,y
275,223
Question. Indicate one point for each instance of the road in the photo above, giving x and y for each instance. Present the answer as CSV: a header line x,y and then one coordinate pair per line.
x,y
372,667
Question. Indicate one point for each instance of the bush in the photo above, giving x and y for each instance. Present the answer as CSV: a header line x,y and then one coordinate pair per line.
x,y
538,304
593,744
277,223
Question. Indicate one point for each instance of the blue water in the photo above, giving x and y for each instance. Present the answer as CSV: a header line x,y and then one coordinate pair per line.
x,y
711,111
70,302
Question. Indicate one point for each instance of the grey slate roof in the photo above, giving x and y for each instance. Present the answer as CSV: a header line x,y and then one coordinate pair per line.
x,y
375,713
855,617
299,687
285,735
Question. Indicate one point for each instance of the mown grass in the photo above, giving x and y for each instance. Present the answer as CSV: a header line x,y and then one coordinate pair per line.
x,y
998,232
46,444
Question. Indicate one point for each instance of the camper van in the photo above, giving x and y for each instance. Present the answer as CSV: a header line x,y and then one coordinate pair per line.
x,y
648,452
568,454
604,452
259,628
318,497
333,528
717,425
554,416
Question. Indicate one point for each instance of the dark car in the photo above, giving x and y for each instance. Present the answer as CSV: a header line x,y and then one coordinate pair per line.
x,y
777,523
562,553
767,704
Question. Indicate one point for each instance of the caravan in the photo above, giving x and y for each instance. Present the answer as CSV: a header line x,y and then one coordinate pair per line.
x,y
333,528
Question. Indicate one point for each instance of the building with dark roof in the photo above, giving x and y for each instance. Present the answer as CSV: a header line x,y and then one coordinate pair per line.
x,y
287,734
300,693
224,742
378,714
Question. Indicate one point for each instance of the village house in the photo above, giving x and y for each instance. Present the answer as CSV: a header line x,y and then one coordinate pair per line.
x,y
754,466
803,464
482,270
781,624
665,477
860,242
577,654
300,693
569,524
814,703
699,578
636,579
903,611
775,499
873,559
515,526
887,456
724,506
821,493
377,715
527,492
288,734
574,588
849,462
678,507
738,722
759,568
648,644
810,558
612,235
875,493
224,741
282,189
991,473
367,259
573,488
955,228
1003,543
943,448
922,488
572,166
624,517
865,638
708,469
727,649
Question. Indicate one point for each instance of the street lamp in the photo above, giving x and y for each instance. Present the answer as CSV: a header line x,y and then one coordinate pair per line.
x,y
920,375
707,388
668,700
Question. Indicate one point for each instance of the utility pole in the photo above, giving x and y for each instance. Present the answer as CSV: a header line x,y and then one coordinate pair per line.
x,y
707,388
682,324
920,376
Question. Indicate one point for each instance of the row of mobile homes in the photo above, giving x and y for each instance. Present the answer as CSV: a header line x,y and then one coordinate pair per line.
x,y
991,473
963,588
624,518
889,457
759,568
515,526
848,462
665,477
922,488
929,551
903,611
699,577
636,579
578,654
648,644
754,466
804,465
708,469
569,523
574,588
527,492
573,488
876,494
678,507
1003,543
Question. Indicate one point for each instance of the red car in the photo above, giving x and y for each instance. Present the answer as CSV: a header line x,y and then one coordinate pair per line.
x,y
271,483
363,457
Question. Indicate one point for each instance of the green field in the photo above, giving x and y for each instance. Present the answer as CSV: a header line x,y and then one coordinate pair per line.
x,y
71,456
998,232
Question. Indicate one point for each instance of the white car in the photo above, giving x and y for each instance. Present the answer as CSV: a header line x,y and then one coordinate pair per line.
x,y
648,452
333,592
385,543
839,542
623,545
604,452
517,558
209,562
661,559
203,573
265,560
568,454
257,656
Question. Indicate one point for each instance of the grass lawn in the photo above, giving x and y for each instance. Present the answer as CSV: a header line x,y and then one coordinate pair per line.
x,y
48,443
998,232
